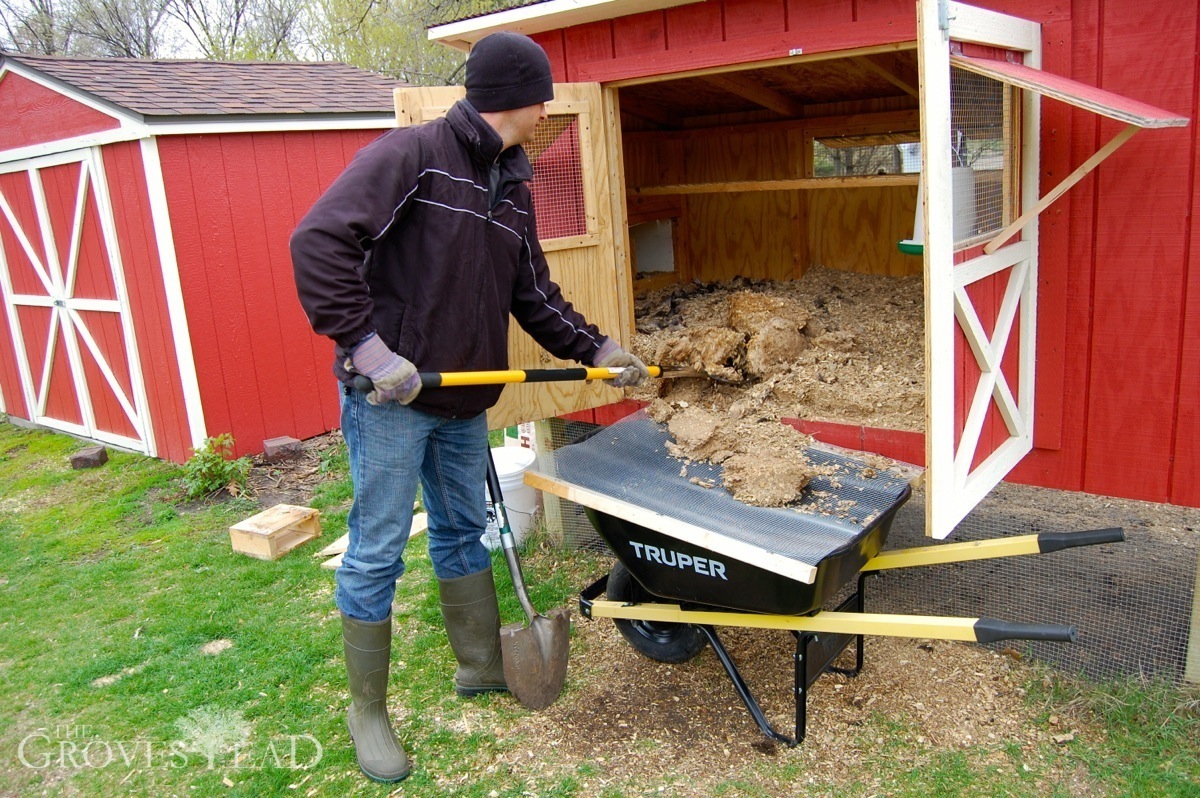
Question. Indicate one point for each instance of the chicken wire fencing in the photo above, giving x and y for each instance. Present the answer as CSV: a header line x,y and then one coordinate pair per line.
x,y
1130,602
982,131
557,184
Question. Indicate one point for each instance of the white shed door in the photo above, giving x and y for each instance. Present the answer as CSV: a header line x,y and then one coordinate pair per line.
x,y
979,406
65,298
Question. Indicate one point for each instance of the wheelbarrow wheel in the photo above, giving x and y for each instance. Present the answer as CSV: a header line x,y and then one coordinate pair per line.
x,y
664,642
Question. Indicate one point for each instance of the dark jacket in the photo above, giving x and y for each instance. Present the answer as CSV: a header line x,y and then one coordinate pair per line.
x,y
411,242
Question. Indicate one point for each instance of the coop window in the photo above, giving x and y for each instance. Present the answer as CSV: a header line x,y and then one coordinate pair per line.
x,y
871,154
557,185
982,139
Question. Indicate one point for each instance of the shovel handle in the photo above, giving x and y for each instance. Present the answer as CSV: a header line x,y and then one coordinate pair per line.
x,y
507,541
456,379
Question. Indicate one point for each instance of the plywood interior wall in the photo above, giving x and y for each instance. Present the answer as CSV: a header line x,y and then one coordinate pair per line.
x,y
763,234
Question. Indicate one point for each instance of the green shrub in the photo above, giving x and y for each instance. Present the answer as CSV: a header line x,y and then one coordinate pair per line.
x,y
212,467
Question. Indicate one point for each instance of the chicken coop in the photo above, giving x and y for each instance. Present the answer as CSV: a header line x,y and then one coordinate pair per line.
x,y
983,151
1012,180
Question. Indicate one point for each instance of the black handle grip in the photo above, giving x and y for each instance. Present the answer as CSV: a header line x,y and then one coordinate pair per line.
x,y
1057,541
429,379
989,630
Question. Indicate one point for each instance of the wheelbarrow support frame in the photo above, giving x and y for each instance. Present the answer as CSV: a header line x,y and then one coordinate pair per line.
x,y
823,635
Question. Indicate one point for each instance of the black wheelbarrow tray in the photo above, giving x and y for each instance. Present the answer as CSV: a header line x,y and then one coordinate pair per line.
x,y
692,558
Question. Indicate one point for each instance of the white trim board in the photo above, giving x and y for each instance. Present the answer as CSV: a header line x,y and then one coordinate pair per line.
x,y
540,17
160,216
675,528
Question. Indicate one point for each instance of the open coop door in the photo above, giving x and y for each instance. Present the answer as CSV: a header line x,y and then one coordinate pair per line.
x,y
576,159
981,85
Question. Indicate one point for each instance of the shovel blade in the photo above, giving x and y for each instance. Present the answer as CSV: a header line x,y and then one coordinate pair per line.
x,y
535,657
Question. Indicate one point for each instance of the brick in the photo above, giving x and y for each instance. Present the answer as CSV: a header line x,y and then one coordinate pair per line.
x,y
276,450
91,457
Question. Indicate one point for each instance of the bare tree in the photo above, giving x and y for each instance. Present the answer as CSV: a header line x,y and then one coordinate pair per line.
x,y
389,36
45,27
216,25
124,28
241,29
275,30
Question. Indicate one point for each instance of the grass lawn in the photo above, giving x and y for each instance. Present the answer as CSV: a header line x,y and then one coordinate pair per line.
x,y
140,655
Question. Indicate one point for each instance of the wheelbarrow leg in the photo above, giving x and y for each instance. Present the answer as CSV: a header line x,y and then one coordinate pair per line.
x,y
743,690
806,673
853,604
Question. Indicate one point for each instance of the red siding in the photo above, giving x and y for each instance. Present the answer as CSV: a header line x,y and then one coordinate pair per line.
x,y
15,187
33,114
147,300
745,18
10,376
234,201
1185,466
1139,267
1053,237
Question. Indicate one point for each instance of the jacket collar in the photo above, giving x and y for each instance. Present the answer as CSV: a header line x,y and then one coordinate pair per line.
x,y
484,144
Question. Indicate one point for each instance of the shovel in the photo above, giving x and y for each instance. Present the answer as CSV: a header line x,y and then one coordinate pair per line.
x,y
535,657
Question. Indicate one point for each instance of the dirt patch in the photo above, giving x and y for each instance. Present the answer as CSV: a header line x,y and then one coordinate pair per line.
x,y
213,647
638,718
293,479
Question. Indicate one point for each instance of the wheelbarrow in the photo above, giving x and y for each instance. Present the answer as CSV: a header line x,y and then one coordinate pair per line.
x,y
690,558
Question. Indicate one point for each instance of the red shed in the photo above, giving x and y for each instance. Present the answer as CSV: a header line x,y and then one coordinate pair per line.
x,y
145,209
1061,273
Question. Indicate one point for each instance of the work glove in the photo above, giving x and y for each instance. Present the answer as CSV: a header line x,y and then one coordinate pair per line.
x,y
395,379
612,356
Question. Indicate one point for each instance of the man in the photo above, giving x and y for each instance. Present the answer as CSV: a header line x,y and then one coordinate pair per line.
x,y
413,260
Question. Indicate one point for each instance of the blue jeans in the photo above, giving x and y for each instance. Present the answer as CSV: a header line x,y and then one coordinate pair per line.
x,y
392,448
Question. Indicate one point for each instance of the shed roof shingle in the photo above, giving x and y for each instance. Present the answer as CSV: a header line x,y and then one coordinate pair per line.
x,y
212,88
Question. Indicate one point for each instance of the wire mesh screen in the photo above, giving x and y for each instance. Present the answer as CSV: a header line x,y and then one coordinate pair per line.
x,y
981,135
558,178
576,530
1131,602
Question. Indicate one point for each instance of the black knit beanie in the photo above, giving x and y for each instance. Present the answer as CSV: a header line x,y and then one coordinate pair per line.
x,y
506,71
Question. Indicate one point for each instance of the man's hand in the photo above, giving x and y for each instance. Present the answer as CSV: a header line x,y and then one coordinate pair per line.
x,y
395,379
613,356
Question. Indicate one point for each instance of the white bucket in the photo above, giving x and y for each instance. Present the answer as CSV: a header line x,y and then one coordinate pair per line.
x,y
520,500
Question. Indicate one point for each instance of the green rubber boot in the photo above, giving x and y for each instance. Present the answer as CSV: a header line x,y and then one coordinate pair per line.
x,y
368,656
472,617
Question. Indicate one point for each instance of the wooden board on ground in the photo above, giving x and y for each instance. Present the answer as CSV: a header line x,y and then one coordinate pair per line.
x,y
420,523
274,532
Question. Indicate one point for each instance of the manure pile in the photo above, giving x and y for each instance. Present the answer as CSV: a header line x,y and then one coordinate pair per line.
x,y
832,346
